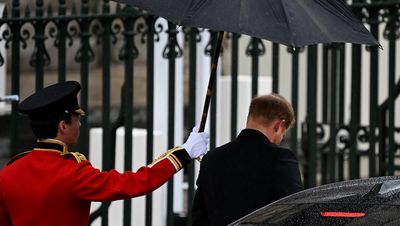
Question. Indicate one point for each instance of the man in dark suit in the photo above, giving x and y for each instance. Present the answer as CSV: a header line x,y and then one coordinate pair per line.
x,y
251,171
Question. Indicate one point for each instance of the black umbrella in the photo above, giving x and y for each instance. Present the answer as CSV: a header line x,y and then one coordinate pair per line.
x,y
293,23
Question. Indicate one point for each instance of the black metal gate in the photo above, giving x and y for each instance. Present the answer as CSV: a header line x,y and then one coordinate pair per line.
x,y
341,83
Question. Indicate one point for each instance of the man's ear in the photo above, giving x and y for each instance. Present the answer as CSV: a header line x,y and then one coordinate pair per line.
x,y
61,126
276,125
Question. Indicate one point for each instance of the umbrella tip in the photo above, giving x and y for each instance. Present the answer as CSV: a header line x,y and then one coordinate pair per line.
x,y
380,46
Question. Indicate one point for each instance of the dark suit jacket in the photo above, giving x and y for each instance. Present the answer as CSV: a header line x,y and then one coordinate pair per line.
x,y
242,176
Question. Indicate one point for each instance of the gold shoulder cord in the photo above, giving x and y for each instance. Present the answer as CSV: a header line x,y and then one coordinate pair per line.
x,y
60,147
78,156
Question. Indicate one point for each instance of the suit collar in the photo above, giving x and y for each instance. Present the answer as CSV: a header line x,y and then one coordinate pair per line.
x,y
253,134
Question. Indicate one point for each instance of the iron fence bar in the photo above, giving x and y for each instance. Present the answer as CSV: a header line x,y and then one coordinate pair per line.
x,y
255,57
128,113
393,18
106,53
324,166
106,41
342,83
355,108
97,213
311,118
84,60
15,76
193,34
255,49
234,83
213,107
373,106
333,114
114,126
355,102
150,21
171,115
38,58
341,161
62,34
325,82
382,143
275,67
295,95
342,108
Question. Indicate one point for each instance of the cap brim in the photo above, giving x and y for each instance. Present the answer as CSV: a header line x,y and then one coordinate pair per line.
x,y
80,112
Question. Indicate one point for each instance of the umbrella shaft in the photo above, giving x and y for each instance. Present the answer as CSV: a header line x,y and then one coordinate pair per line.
x,y
211,81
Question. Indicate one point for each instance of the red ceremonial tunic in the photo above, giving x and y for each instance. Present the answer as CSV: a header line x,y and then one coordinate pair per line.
x,y
47,187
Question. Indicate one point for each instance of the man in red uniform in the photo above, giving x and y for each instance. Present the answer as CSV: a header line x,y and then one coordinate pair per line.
x,y
50,186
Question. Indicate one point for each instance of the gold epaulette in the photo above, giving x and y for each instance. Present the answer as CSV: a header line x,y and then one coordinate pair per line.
x,y
78,156
18,156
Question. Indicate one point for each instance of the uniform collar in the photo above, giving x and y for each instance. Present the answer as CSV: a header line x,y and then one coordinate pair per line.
x,y
51,144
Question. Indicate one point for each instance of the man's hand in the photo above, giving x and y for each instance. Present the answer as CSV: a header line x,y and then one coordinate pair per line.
x,y
197,143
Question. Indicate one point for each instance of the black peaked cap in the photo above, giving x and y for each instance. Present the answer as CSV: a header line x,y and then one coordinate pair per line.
x,y
52,102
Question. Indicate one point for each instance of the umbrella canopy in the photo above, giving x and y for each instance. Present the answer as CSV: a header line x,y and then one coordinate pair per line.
x,y
293,23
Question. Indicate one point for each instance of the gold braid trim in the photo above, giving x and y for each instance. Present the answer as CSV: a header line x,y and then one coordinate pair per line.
x,y
78,156
53,141
62,149
171,157
176,160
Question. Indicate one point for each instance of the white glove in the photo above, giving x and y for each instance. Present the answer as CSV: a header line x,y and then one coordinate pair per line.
x,y
197,143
